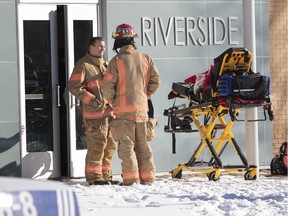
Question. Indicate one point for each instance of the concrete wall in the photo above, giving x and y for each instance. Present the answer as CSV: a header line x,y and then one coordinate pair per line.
x,y
163,34
9,92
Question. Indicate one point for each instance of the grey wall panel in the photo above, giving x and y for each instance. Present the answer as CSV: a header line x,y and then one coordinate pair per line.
x,y
262,29
264,67
177,58
9,93
9,149
8,32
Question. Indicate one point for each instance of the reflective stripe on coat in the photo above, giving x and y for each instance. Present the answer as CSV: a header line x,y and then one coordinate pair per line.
x,y
85,84
127,84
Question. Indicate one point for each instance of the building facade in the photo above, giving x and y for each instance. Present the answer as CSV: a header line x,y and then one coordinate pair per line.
x,y
41,132
278,37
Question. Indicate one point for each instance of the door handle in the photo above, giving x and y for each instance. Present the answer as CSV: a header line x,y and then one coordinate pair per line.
x,y
58,104
76,101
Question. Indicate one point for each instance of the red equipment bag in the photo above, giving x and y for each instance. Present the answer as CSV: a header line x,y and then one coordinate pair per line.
x,y
279,164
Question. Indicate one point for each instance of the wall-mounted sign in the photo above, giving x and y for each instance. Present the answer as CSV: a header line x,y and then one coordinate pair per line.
x,y
188,31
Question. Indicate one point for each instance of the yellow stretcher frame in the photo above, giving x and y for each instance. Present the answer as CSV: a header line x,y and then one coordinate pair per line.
x,y
232,61
207,133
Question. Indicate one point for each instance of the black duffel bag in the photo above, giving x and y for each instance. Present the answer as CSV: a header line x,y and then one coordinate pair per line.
x,y
247,86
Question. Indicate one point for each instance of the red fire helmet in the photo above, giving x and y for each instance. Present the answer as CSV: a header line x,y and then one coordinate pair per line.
x,y
123,31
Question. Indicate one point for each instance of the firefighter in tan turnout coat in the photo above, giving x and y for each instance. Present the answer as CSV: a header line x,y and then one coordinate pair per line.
x,y
85,83
131,78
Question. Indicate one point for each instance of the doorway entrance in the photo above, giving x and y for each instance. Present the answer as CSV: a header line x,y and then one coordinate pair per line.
x,y
51,40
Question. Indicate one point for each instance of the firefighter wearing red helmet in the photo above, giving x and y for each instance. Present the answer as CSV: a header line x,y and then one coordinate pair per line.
x,y
130,79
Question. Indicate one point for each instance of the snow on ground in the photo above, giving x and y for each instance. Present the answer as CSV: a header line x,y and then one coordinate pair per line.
x,y
193,195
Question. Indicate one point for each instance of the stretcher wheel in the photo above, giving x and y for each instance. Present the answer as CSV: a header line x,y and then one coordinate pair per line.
x,y
212,176
247,176
178,175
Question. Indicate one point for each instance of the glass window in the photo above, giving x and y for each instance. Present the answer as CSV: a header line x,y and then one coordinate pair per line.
x,y
83,31
37,52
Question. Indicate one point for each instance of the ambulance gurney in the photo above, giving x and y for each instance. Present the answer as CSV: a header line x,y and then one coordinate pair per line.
x,y
218,94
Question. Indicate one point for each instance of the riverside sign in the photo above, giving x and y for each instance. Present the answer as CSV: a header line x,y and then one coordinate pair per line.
x,y
185,31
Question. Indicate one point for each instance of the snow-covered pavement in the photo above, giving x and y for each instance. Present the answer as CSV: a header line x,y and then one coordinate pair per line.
x,y
194,194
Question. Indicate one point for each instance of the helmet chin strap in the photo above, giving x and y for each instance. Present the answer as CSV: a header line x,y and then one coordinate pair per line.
x,y
115,50
118,43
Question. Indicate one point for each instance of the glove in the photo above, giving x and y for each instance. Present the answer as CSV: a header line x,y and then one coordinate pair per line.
x,y
96,103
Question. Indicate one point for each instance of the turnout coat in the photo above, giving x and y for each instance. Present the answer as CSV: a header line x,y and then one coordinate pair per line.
x,y
85,83
128,86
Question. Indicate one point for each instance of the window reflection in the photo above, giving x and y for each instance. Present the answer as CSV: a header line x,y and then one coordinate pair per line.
x,y
82,33
37,52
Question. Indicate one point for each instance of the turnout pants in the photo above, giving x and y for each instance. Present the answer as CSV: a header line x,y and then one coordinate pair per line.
x,y
100,150
134,151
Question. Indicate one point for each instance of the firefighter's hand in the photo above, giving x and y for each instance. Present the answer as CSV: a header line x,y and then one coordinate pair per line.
x,y
96,103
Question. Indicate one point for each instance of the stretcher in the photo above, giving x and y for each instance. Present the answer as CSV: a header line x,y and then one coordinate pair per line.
x,y
217,95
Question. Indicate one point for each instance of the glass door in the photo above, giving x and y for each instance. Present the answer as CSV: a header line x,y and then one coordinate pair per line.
x,y
40,147
51,40
81,25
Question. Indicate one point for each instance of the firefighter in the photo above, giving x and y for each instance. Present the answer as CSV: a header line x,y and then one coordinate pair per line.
x,y
130,80
85,83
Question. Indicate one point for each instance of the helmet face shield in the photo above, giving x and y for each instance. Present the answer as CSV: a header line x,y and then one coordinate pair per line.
x,y
124,31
